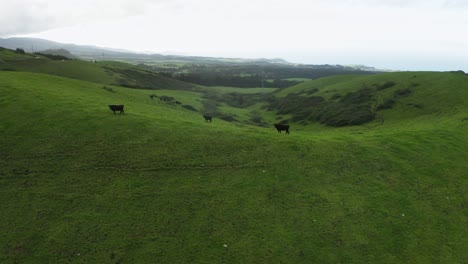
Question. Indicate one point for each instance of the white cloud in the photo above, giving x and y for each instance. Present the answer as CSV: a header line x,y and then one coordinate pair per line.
x,y
456,3
296,29
404,3
30,16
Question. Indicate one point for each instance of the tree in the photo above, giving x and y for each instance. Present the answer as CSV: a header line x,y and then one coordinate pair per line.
x,y
19,51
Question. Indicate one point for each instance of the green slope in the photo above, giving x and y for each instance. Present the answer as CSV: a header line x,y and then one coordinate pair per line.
x,y
106,72
81,185
390,97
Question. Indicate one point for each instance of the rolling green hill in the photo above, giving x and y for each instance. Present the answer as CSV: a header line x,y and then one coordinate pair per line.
x,y
389,97
104,72
79,184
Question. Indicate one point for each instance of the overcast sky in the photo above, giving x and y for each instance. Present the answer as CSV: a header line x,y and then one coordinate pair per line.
x,y
393,34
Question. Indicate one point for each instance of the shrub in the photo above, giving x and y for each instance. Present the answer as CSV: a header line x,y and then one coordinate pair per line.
x,y
359,97
52,56
415,105
142,79
166,98
109,89
189,107
351,109
226,117
256,119
387,104
339,114
402,92
384,85
311,91
210,107
238,100
294,103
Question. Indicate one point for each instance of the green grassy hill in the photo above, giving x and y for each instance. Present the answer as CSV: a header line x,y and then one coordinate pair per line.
x,y
158,184
104,72
388,97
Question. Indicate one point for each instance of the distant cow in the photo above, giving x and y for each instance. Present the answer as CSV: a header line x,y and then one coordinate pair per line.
x,y
152,96
281,127
117,108
207,118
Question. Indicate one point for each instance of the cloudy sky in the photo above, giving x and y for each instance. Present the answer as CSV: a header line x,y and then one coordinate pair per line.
x,y
392,34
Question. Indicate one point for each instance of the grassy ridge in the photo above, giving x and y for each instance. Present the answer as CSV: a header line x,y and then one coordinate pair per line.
x,y
392,97
104,72
79,184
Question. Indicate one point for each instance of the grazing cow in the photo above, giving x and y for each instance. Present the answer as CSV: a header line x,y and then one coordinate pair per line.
x,y
207,118
281,127
152,96
117,108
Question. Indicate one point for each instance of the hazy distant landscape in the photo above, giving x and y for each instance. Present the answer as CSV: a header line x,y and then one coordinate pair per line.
x,y
114,155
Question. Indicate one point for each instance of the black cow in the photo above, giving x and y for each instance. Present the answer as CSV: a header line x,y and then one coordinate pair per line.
x,y
117,108
281,127
207,118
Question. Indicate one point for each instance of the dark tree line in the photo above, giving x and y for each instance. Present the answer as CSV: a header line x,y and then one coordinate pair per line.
x,y
231,80
52,56
251,75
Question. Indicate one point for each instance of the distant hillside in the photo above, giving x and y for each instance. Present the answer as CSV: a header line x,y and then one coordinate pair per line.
x,y
208,71
59,52
36,44
89,52
104,72
358,99
353,100
253,75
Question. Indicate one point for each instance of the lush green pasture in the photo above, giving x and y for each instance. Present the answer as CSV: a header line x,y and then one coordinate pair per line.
x,y
76,69
158,185
320,83
104,72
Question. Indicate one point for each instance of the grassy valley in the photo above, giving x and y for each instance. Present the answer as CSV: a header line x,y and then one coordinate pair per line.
x,y
79,184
